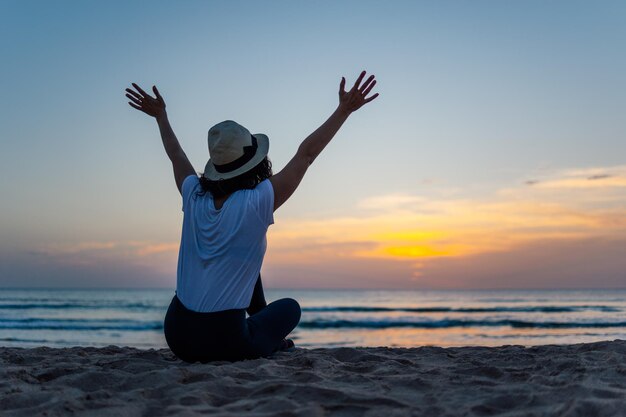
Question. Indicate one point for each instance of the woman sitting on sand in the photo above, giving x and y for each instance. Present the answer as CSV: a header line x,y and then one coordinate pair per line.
x,y
227,211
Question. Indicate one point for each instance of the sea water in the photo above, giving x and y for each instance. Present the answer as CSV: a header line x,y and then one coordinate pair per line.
x,y
330,318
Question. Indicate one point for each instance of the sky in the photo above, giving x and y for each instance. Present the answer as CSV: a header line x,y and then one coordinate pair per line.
x,y
495,156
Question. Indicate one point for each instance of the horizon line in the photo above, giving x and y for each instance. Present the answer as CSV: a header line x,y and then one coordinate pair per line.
x,y
328,289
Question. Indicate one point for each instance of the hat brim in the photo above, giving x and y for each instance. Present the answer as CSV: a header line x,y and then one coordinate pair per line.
x,y
263,147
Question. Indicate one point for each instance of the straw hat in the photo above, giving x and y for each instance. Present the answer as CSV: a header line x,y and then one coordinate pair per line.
x,y
233,150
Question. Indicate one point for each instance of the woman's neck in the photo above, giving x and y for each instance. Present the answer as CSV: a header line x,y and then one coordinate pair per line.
x,y
218,202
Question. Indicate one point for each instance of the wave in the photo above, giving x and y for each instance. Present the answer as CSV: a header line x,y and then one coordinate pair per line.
x,y
527,309
17,339
73,306
80,324
439,324
136,325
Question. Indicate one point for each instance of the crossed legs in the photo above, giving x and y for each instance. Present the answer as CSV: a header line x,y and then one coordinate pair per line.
x,y
269,324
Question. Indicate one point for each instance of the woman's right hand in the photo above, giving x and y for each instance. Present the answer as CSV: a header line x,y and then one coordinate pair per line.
x,y
357,96
152,106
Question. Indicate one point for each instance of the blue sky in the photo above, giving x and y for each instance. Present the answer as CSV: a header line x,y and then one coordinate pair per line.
x,y
477,98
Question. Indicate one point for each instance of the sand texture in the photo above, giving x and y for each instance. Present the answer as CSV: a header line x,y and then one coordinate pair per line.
x,y
555,380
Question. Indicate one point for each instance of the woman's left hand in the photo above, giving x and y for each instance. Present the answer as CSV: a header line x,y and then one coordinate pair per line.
x,y
152,106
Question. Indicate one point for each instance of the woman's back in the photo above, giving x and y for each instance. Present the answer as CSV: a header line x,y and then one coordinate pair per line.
x,y
222,246
221,250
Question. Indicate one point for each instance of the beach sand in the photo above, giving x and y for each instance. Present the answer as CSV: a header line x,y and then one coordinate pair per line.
x,y
554,380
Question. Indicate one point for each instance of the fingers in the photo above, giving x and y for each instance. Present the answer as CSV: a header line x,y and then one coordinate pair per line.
x,y
371,98
135,106
143,93
133,99
358,81
368,89
139,108
342,85
366,83
134,94
156,92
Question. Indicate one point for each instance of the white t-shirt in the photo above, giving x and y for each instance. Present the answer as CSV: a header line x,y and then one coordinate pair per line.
x,y
221,251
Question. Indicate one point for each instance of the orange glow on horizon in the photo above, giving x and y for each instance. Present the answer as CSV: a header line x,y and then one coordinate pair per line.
x,y
410,231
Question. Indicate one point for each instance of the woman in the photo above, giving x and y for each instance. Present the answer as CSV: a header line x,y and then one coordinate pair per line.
x,y
226,215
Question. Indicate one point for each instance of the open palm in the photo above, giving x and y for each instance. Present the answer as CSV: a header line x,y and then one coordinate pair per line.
x,y
354,99
152,106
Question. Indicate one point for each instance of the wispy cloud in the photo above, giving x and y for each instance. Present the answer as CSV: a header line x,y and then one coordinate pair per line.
x,y
610,177
138,253
421,231
401,240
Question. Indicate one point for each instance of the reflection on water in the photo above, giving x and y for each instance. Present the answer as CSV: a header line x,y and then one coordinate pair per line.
x,y
458,318
329,318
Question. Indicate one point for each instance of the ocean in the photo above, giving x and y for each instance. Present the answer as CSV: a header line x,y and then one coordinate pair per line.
x,y
330,318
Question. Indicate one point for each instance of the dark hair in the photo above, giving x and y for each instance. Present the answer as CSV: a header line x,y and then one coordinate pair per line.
x,y
246,181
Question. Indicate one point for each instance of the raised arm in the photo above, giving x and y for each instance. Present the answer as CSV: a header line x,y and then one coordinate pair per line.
x,y
155,107
288,179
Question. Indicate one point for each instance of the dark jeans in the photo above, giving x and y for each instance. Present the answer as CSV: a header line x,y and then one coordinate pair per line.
x,y
229,335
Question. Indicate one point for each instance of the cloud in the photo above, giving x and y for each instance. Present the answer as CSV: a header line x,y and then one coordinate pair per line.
x,y
92,264
415,233
599,177
158,248
391,201
558,263
91,250
36,269
550,234
610,177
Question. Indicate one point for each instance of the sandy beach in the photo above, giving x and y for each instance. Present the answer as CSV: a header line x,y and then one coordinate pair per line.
x,y
551,380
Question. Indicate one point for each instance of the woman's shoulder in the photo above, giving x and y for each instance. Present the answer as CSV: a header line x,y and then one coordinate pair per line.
x,y
264,186
190,180
191,190
261,200
190,183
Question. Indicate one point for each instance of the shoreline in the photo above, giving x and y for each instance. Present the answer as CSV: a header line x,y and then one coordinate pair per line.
x,y
566,380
